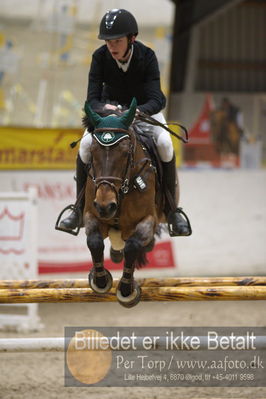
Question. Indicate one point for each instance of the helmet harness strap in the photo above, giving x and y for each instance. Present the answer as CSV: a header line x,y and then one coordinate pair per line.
x,y
129,46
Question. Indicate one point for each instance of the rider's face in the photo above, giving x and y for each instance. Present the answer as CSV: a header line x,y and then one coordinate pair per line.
x,y
117,47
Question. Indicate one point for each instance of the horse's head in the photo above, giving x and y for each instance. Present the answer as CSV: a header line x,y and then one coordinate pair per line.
x,y
112,151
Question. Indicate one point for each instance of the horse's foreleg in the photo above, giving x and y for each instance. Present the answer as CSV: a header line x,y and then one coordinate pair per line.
x,y
100,279
128,292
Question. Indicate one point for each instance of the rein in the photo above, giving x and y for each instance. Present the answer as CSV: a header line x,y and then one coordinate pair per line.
x,y
147,119
150,120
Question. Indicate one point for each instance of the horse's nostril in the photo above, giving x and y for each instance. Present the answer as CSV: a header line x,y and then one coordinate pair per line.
x,y
112,207
105,211
99,209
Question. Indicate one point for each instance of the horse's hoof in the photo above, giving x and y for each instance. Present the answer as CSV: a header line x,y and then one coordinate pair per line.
x,y
97,289
116,256
130,300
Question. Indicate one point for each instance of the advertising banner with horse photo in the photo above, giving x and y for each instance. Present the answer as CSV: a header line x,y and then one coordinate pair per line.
x,y
217,136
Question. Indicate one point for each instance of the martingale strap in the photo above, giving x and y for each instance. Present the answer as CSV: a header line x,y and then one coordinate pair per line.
x,y
110,136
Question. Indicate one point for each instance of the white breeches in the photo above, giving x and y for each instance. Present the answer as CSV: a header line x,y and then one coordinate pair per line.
x,y
162,140
84,147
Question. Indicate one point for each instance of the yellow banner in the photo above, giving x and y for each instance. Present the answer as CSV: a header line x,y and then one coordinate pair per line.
x,y
30,148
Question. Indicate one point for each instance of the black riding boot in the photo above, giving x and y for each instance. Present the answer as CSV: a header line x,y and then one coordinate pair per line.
x,y
73,220
178,222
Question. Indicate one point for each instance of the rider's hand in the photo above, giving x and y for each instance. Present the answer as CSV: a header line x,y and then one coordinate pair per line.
x,y
136,115
110,106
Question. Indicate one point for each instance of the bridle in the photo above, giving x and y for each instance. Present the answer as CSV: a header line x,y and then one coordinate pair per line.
x,y
120,185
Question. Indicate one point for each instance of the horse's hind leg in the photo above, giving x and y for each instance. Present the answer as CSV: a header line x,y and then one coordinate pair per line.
x,y
116,255
117,245
100,279
128,292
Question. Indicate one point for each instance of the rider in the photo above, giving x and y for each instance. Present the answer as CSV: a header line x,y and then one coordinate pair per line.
x,y
121,69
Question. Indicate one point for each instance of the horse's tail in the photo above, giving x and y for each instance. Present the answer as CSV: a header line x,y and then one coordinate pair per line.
x,y
135,253
141,260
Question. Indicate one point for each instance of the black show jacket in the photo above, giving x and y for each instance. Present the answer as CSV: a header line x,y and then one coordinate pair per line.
x,y
109,83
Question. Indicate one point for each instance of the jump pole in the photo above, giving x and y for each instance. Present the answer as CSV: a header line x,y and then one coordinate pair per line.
x,y
145,282
55,295
59,344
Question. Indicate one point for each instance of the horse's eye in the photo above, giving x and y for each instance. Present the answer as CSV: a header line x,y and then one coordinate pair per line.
x,y
123,147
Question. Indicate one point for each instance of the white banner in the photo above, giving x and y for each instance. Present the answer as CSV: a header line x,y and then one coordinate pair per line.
x,y
18,254
18,235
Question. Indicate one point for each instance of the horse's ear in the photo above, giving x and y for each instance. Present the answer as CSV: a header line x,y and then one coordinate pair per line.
x,y
94,118
129,116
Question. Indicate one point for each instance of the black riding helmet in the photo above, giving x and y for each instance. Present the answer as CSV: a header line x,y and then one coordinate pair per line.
x,y
117,23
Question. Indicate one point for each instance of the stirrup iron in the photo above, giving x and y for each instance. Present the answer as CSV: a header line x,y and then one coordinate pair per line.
x,y
71,208
180,210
